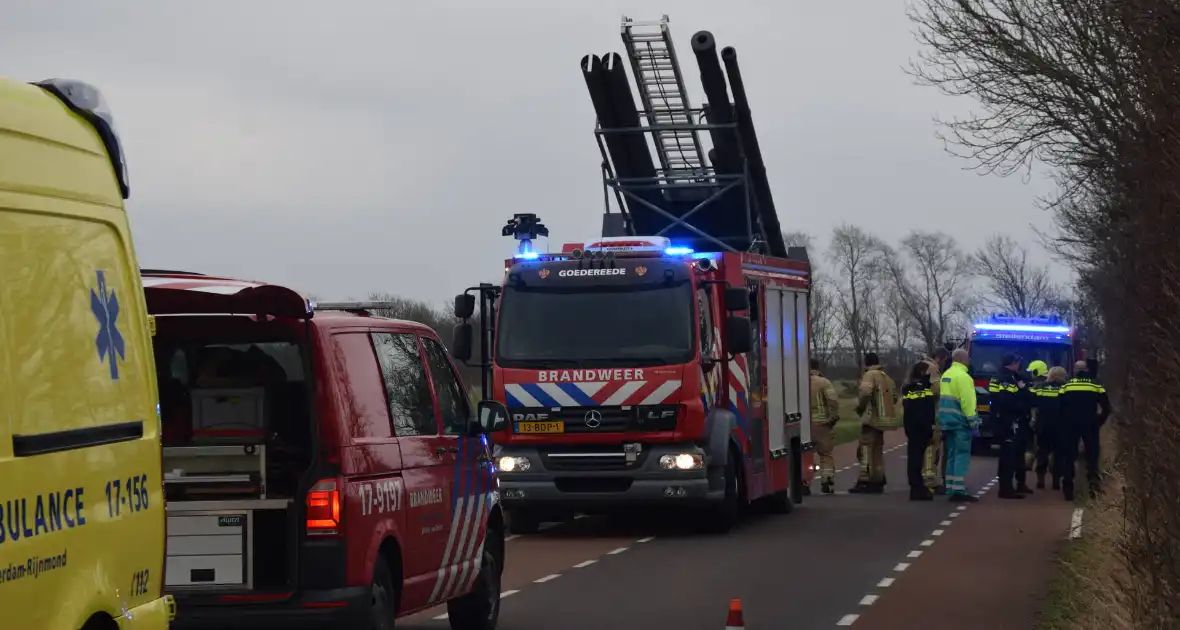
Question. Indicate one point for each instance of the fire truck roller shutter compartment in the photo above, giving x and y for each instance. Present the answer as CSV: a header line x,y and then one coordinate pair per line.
x,y
776,411
803,366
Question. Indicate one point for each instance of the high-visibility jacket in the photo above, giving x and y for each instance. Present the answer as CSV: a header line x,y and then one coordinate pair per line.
x,y
1048,406
825,405
878,395
956,400
1010,403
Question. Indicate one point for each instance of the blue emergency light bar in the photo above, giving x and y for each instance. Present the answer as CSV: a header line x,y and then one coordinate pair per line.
x,y
1024,328
678,251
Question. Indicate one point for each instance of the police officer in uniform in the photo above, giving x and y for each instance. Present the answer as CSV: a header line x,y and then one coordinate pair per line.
x,y
1084,409
1011,401
1047,416
825,413
919,405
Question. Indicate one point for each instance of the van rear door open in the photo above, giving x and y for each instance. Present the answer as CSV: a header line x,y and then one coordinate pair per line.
x,y
239,435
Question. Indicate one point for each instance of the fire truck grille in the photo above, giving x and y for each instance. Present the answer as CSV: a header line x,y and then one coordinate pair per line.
x,y
590,459
582,420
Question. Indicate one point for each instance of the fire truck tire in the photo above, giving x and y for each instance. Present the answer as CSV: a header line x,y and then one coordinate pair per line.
x,y
522,521
725,515
384,609
480,609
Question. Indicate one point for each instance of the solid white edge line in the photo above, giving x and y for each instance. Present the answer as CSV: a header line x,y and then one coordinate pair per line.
x,y
1075,524
847,620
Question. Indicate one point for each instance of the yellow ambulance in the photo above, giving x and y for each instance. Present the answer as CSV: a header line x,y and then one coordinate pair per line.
x,y
81,501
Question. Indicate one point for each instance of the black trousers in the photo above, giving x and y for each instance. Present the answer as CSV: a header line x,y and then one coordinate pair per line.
x,y
1049,444
1087,434
1021,442
915,452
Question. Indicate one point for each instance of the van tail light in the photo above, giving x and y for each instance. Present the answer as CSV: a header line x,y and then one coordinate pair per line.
x,y
323,508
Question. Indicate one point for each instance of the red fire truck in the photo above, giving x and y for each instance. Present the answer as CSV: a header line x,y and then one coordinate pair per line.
x,y
636,372
664,363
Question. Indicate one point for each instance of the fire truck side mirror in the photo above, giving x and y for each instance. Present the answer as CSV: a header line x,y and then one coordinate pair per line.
x,y
737,299
492,416
461,342
464,305
738,337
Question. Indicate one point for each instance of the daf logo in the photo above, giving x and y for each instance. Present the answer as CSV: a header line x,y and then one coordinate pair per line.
x,y
593,419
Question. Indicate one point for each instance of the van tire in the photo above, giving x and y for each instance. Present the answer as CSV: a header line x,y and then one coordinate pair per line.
x,y
480,609
384,609
521,521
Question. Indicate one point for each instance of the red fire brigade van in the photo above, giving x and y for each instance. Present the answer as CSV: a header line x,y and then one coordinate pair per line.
x,y
323,468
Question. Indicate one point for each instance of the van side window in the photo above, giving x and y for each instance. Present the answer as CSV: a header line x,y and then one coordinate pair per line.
x,y
410,405
452,401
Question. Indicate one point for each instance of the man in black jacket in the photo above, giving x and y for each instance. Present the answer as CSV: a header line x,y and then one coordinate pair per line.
x,y
1011,402
1084,409
919,404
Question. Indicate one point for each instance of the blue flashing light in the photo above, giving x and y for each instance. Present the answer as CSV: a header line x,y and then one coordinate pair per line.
x,y
527,255
708,255
678,251
1025,328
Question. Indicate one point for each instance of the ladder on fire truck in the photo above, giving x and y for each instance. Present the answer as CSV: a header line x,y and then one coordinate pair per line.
x,y
664,96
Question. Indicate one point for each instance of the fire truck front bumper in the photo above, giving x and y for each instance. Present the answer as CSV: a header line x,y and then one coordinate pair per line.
x,y
590,478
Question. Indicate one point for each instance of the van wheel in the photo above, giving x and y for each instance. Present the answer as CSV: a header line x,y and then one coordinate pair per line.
x,y
480,609
522,521
724,516
384,609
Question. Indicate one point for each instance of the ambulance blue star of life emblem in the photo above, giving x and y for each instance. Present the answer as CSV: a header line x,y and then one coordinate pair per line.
x,y
109,341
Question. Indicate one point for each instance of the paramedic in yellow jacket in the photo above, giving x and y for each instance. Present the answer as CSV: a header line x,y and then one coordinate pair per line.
x,y
958,418
878,397
825,413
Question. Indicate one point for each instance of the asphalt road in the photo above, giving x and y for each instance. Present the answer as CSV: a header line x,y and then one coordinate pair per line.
x,y
804,570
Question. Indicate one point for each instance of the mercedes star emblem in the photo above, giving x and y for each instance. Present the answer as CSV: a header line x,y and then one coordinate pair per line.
x,y
593,419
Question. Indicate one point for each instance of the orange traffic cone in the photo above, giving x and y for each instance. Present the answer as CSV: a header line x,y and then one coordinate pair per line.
x,y
734,621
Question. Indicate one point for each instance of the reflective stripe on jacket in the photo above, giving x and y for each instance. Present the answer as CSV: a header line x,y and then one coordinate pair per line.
x,y
956,400
825,405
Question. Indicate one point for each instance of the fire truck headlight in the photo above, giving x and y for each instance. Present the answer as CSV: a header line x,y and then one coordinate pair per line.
x,y
514,464
683,461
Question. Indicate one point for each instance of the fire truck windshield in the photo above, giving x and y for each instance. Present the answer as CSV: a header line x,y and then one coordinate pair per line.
x,y
629,326
987,355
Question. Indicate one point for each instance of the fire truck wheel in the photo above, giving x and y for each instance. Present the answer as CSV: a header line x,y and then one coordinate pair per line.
x,y
384,608
725,515
480,609
523,522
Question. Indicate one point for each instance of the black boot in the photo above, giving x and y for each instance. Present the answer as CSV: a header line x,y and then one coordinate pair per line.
x,y
1009,493
826,487
921,493
940,490
1024,489
1067,491
859,488
1040,481
1056,483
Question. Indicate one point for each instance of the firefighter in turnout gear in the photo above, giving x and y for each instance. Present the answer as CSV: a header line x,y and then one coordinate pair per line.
x,y
825,413
933,460
1047,417
878,397
957,417
1084,409
1011,403
918,407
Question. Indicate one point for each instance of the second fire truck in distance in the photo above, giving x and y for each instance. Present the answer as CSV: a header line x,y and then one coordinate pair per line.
x,y
640,373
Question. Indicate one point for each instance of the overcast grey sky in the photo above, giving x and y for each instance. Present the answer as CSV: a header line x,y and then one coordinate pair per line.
x,y
357,145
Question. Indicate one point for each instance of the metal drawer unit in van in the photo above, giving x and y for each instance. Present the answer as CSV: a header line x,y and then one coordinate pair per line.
x,y
211,529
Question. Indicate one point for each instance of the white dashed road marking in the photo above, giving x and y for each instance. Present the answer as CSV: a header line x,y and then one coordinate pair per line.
x,y
1075,524
847,620
868,600
584,564
502,596
615,552
885,583
551,576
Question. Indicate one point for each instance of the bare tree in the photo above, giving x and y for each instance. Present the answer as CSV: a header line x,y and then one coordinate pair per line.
x,y
898,317
826,330
1018,286
854,253
929,276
